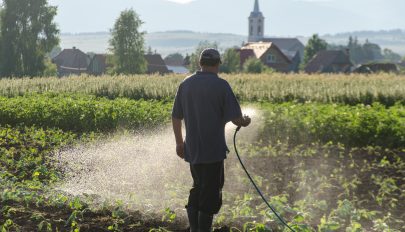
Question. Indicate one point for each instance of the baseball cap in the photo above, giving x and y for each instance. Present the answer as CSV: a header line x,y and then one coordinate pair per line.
x,y
210,54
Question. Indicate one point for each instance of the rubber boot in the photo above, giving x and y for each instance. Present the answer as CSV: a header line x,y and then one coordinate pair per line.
x,y
204,222
192,219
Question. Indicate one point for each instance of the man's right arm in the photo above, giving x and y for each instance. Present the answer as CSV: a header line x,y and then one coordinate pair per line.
x,y
243,121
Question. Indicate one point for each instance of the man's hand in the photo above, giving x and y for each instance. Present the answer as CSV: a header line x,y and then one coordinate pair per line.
x,y
242,121
180,150
246,121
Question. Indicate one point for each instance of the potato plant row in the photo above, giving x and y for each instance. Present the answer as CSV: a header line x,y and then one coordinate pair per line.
x,y
354,126
80,113
292,123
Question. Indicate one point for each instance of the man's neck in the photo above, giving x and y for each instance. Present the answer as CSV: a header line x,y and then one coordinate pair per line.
x,y
209,69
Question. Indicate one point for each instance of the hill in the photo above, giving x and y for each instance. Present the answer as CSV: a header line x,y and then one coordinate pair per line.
x,y
185,41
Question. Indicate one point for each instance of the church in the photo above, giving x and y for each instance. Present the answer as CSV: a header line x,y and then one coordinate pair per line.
x,y
281,54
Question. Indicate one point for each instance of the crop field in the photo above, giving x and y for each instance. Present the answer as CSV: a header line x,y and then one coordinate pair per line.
x,y
97,154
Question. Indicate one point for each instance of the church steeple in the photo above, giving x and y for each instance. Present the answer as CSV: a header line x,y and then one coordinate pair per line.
x,y
256,24
256,9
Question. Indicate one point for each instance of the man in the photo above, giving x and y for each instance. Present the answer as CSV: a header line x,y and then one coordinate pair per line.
x,y
206,103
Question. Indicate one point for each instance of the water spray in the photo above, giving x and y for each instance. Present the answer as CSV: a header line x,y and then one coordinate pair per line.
x,y
255,185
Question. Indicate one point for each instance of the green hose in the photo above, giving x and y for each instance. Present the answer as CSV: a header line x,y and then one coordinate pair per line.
x,y
254,184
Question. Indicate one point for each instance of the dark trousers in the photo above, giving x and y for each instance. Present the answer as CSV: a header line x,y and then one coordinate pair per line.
x,y
206,193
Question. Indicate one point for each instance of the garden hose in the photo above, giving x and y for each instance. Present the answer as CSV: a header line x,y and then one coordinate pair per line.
x,y
254,184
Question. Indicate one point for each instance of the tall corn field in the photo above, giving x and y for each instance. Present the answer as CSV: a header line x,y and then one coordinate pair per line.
x,y
346,89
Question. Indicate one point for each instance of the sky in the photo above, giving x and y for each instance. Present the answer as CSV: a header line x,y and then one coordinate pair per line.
x,y
283,17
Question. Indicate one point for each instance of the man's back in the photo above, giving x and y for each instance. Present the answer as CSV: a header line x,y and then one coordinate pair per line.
x,y
207,103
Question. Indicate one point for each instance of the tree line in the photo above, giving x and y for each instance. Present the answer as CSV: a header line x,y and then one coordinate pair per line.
x,y
28,34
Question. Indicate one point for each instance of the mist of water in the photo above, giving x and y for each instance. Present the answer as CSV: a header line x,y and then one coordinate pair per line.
x,y
142,170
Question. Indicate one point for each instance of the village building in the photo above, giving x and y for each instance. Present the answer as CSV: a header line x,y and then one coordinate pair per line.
x,y
98,65
292,48
156,64
332,61
71,62
76,62
268,53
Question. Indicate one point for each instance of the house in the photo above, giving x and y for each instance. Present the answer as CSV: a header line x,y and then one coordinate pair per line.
x,y
291,47
75,62
268,53
156,64
333,61
71,62
98,65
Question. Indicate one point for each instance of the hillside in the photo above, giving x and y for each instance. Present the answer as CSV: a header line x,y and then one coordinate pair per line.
x,y
185,41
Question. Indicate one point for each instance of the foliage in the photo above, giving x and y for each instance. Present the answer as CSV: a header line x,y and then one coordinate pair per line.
x,y
391,56
22,153
349,125
386,89
51,69
255,66
195,56
27,170
316,188
127,44
82,113
28,33
54,52
324,167
314,45
230,61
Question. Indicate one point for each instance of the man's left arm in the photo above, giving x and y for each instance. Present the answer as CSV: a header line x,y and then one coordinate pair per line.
x,y
177,116
179,137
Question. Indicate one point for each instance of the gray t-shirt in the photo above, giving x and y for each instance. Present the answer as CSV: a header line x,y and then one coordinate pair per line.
x,y
206,103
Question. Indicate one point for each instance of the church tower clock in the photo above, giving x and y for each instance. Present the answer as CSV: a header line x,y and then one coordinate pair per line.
x,y
256,24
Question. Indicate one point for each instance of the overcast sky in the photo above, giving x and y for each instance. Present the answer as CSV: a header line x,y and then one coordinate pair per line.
x,y
283,17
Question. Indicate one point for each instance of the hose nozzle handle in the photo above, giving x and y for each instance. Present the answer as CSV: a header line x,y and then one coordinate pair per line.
x,y
238,128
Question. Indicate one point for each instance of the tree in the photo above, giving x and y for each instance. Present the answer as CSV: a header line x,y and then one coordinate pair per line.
x,y
28,34
254,65
357,55
372,52
54,52
195,57
230,61
315,45
391,56
127,44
